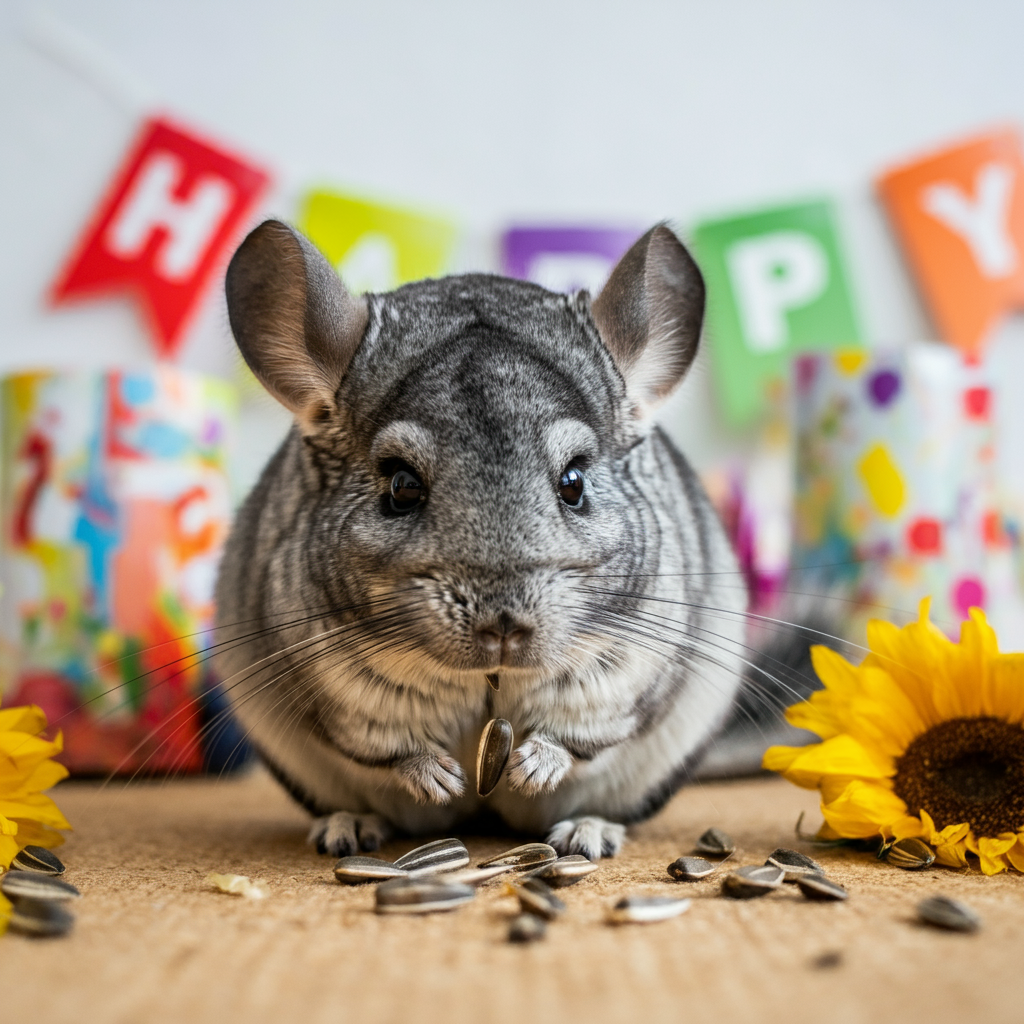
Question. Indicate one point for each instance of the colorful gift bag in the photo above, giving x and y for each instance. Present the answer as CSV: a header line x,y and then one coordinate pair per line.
x,y
897,496
115,504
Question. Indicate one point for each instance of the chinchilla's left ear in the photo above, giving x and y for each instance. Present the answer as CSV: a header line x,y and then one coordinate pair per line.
x,y
649,315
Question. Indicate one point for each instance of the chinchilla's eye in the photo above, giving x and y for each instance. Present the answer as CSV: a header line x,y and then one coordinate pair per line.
x,y
570,487
407,490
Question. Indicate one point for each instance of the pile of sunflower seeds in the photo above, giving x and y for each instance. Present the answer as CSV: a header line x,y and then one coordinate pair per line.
x,y
38,897
437,877
755,880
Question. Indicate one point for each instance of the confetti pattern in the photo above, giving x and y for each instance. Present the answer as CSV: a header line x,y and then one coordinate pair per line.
x,y
897,495
115,504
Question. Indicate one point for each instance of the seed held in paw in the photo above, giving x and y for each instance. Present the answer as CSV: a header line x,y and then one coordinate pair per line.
x,y
492,755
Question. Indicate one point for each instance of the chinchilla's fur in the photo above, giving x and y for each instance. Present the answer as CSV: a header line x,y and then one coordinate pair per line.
x,y
358,632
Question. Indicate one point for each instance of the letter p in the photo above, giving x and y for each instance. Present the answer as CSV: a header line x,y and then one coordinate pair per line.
x,y
770,275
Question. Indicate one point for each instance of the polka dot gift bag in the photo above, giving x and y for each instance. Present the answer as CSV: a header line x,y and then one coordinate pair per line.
x,y
897,495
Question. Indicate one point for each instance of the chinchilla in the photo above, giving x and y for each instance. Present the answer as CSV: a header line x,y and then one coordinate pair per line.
x,y
474,517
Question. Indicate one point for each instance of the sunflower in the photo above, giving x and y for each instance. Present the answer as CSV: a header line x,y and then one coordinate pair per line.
x,y
924,738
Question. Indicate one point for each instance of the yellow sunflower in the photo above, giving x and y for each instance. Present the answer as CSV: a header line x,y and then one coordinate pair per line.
x,y
924,738
27,817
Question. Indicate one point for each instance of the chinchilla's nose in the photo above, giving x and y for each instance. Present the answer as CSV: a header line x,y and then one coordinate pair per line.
x,y
503,637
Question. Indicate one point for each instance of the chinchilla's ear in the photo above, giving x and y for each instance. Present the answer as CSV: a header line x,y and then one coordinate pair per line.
x,y
295,323
649,315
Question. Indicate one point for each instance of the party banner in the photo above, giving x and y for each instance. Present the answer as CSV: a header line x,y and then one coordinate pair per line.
x,y
115,504
565,259
777,284
376,248
174,208
959,215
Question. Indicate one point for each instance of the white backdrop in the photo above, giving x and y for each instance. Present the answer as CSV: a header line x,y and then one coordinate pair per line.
x,y
535,111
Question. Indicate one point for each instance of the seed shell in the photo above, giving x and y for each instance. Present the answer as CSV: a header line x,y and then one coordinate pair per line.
x,y
38,858
646,909
440,855
537,898
794,864
420,896
943,912
356,870
564,871
750,882
527,928
910,854
40,918
715,843
465,876
523,858
818,887
690,869
31,885
492,755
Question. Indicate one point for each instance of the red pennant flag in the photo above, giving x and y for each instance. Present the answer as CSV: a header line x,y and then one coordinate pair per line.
x,y
174,207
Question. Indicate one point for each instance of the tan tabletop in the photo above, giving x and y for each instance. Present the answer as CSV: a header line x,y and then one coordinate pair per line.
x,y
154,943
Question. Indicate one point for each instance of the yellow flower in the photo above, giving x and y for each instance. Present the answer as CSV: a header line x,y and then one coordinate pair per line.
x,y
925,738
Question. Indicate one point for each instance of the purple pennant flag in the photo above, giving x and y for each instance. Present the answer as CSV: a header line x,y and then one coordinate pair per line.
x,y
565,259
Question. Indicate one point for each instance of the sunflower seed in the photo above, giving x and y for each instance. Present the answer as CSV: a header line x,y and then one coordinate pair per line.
x,y
750,882
646,909
818,887
465,876
493,681
440,855
31,885
794,864
420,896
356,870
827,960
492,755
41,918
690,869
910,854
564,871
527,928
535,897
38,858
715,843
942,912
522,858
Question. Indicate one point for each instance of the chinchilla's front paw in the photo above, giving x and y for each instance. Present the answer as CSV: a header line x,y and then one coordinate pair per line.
x,y
538,765
432,778
591,836
342,834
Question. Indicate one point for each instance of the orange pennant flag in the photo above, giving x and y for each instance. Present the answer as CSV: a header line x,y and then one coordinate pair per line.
x,y
959,215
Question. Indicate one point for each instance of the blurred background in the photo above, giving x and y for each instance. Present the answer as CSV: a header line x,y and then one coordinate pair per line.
x,y
476,122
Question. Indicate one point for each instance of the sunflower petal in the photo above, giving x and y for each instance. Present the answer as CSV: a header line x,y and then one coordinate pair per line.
x,y
865,809
1015,854
991,851
1006,683
840,755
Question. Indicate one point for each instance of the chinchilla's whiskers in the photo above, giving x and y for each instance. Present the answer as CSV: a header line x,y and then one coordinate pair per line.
x,y
389,623
240,677
727,612
200,657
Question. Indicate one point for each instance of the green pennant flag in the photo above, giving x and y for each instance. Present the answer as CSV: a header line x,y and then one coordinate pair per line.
x,y
777,284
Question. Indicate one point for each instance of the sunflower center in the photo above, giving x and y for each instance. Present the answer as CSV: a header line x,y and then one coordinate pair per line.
x,y
966,769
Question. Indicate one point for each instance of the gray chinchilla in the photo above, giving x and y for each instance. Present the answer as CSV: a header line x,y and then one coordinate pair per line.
x,y
473,517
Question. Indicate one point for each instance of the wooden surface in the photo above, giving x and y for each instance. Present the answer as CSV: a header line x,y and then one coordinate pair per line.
x,y
154,943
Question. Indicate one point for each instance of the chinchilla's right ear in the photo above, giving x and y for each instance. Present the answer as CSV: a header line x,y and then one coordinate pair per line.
x,y
649,316
294,322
